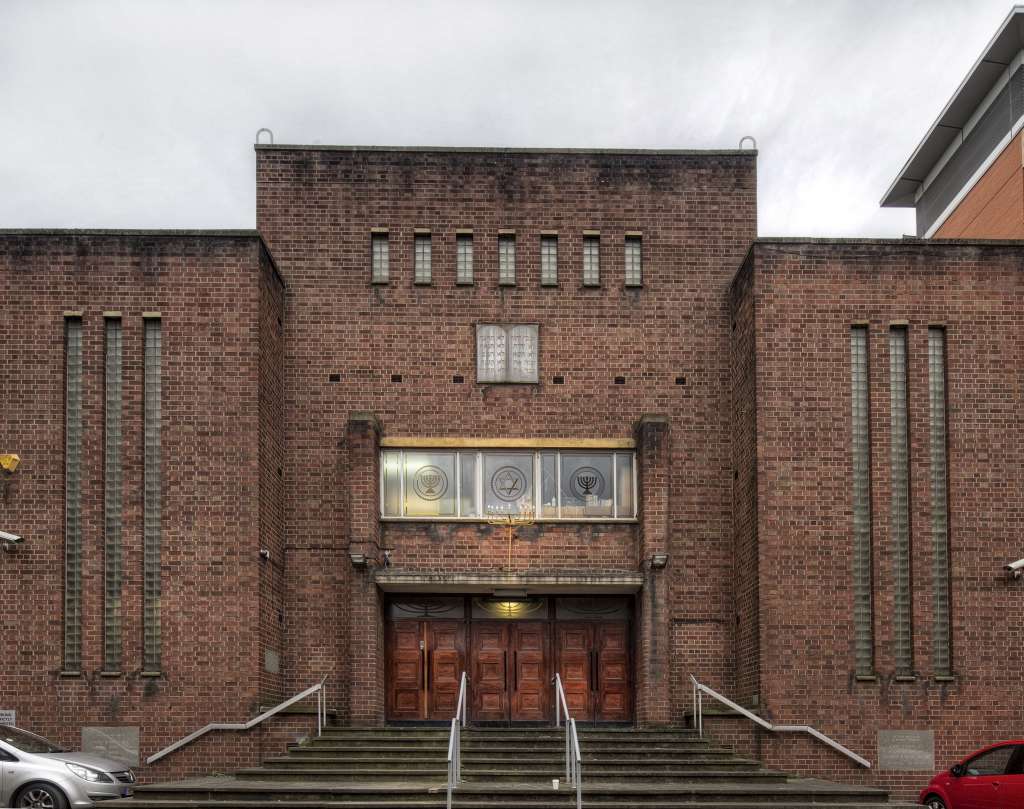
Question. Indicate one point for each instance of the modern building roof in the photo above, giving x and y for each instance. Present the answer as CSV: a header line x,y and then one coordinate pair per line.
x,y
949,126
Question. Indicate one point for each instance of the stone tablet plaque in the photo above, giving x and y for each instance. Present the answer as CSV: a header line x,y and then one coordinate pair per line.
x,y
906,750
522,354
7,717
117,743
271,661
491,354
506,353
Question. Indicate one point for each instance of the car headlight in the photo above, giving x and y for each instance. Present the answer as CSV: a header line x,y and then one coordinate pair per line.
x,y
88,774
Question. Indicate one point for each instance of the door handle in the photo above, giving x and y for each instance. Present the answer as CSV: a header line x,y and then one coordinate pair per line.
x,y
515,671
428,669
597,673
504,668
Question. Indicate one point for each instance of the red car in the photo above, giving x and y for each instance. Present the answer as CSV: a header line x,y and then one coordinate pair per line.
x,y
992,778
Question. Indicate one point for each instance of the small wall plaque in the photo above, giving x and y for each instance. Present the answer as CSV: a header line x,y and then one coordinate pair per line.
x,y
912,750
117,743
7,716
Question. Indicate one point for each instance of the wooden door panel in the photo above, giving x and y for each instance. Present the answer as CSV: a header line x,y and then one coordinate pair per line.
x,y
489,672
573,644
530,682
405,677
613,689
446,648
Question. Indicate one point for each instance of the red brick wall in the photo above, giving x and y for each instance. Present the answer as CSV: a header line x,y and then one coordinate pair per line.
x,y
207,291
806,296
697,213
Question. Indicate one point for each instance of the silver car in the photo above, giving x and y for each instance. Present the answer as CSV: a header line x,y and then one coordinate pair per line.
x,y
38,773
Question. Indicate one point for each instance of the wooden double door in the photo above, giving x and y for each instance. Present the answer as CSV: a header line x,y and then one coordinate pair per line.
x,y
511,665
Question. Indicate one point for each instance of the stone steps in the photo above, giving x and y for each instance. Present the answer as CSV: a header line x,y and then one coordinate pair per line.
x,y
510,768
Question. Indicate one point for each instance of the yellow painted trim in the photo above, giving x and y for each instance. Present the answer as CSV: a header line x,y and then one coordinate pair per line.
x,y
591,233
634,234
417,441
506,232
112,314
379,230
150,315
72,313
463,231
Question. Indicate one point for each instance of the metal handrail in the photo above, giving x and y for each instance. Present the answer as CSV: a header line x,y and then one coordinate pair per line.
x,y
455,739
699,690
573,760
321,719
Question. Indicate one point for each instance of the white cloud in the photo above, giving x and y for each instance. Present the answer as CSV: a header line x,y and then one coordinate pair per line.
x,y
142,114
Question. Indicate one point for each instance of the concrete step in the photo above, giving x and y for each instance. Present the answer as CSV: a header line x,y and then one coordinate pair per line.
x,y
470,758
559,800
796,792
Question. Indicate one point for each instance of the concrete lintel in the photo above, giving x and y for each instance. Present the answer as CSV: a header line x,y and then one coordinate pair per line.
x,y
403,581
428,442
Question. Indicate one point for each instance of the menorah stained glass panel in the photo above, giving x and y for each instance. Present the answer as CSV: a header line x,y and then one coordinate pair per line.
x,y
587,485
430,484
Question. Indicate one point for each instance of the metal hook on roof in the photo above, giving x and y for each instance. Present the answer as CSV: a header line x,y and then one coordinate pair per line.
x,y
261,131
745,138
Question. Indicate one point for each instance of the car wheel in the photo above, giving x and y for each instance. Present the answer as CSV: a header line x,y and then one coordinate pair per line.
x,y
934,802
41,796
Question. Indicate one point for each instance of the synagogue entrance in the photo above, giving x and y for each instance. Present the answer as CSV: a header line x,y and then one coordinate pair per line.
x,y
510,649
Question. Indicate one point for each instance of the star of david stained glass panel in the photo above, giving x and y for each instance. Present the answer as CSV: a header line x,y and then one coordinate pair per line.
x,y
508,483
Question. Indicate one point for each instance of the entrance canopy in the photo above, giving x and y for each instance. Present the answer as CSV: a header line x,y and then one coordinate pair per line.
x,y
400,581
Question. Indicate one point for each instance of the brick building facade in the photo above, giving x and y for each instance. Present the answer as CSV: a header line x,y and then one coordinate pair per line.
x,y
707,406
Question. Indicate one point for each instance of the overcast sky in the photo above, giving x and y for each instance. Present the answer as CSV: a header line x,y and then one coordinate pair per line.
x,y
142,114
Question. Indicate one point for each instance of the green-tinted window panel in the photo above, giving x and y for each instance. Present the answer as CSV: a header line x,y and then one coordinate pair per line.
x,y
73,494
941,633
152,502
860,439
899,527
112,489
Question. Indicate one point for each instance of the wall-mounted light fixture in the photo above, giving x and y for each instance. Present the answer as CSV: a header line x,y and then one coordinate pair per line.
x,y
659,560
358,559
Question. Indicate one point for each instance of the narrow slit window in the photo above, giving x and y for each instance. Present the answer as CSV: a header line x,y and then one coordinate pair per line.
x,y
942,661
860,441
422,272
549,261
151,497
73,494
634,261
380,271
112,477
507,260
591,261
464,258
900,503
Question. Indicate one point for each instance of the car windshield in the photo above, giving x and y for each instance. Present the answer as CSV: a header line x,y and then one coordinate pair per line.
x,y
27,742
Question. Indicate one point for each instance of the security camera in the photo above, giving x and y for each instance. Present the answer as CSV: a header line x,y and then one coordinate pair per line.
x,y
10,540
1016,568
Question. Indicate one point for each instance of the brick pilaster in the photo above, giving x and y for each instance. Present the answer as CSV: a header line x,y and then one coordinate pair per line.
x,y
652,669
366,634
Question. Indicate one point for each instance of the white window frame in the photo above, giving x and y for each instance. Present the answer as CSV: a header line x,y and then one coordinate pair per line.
x,y
537,483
